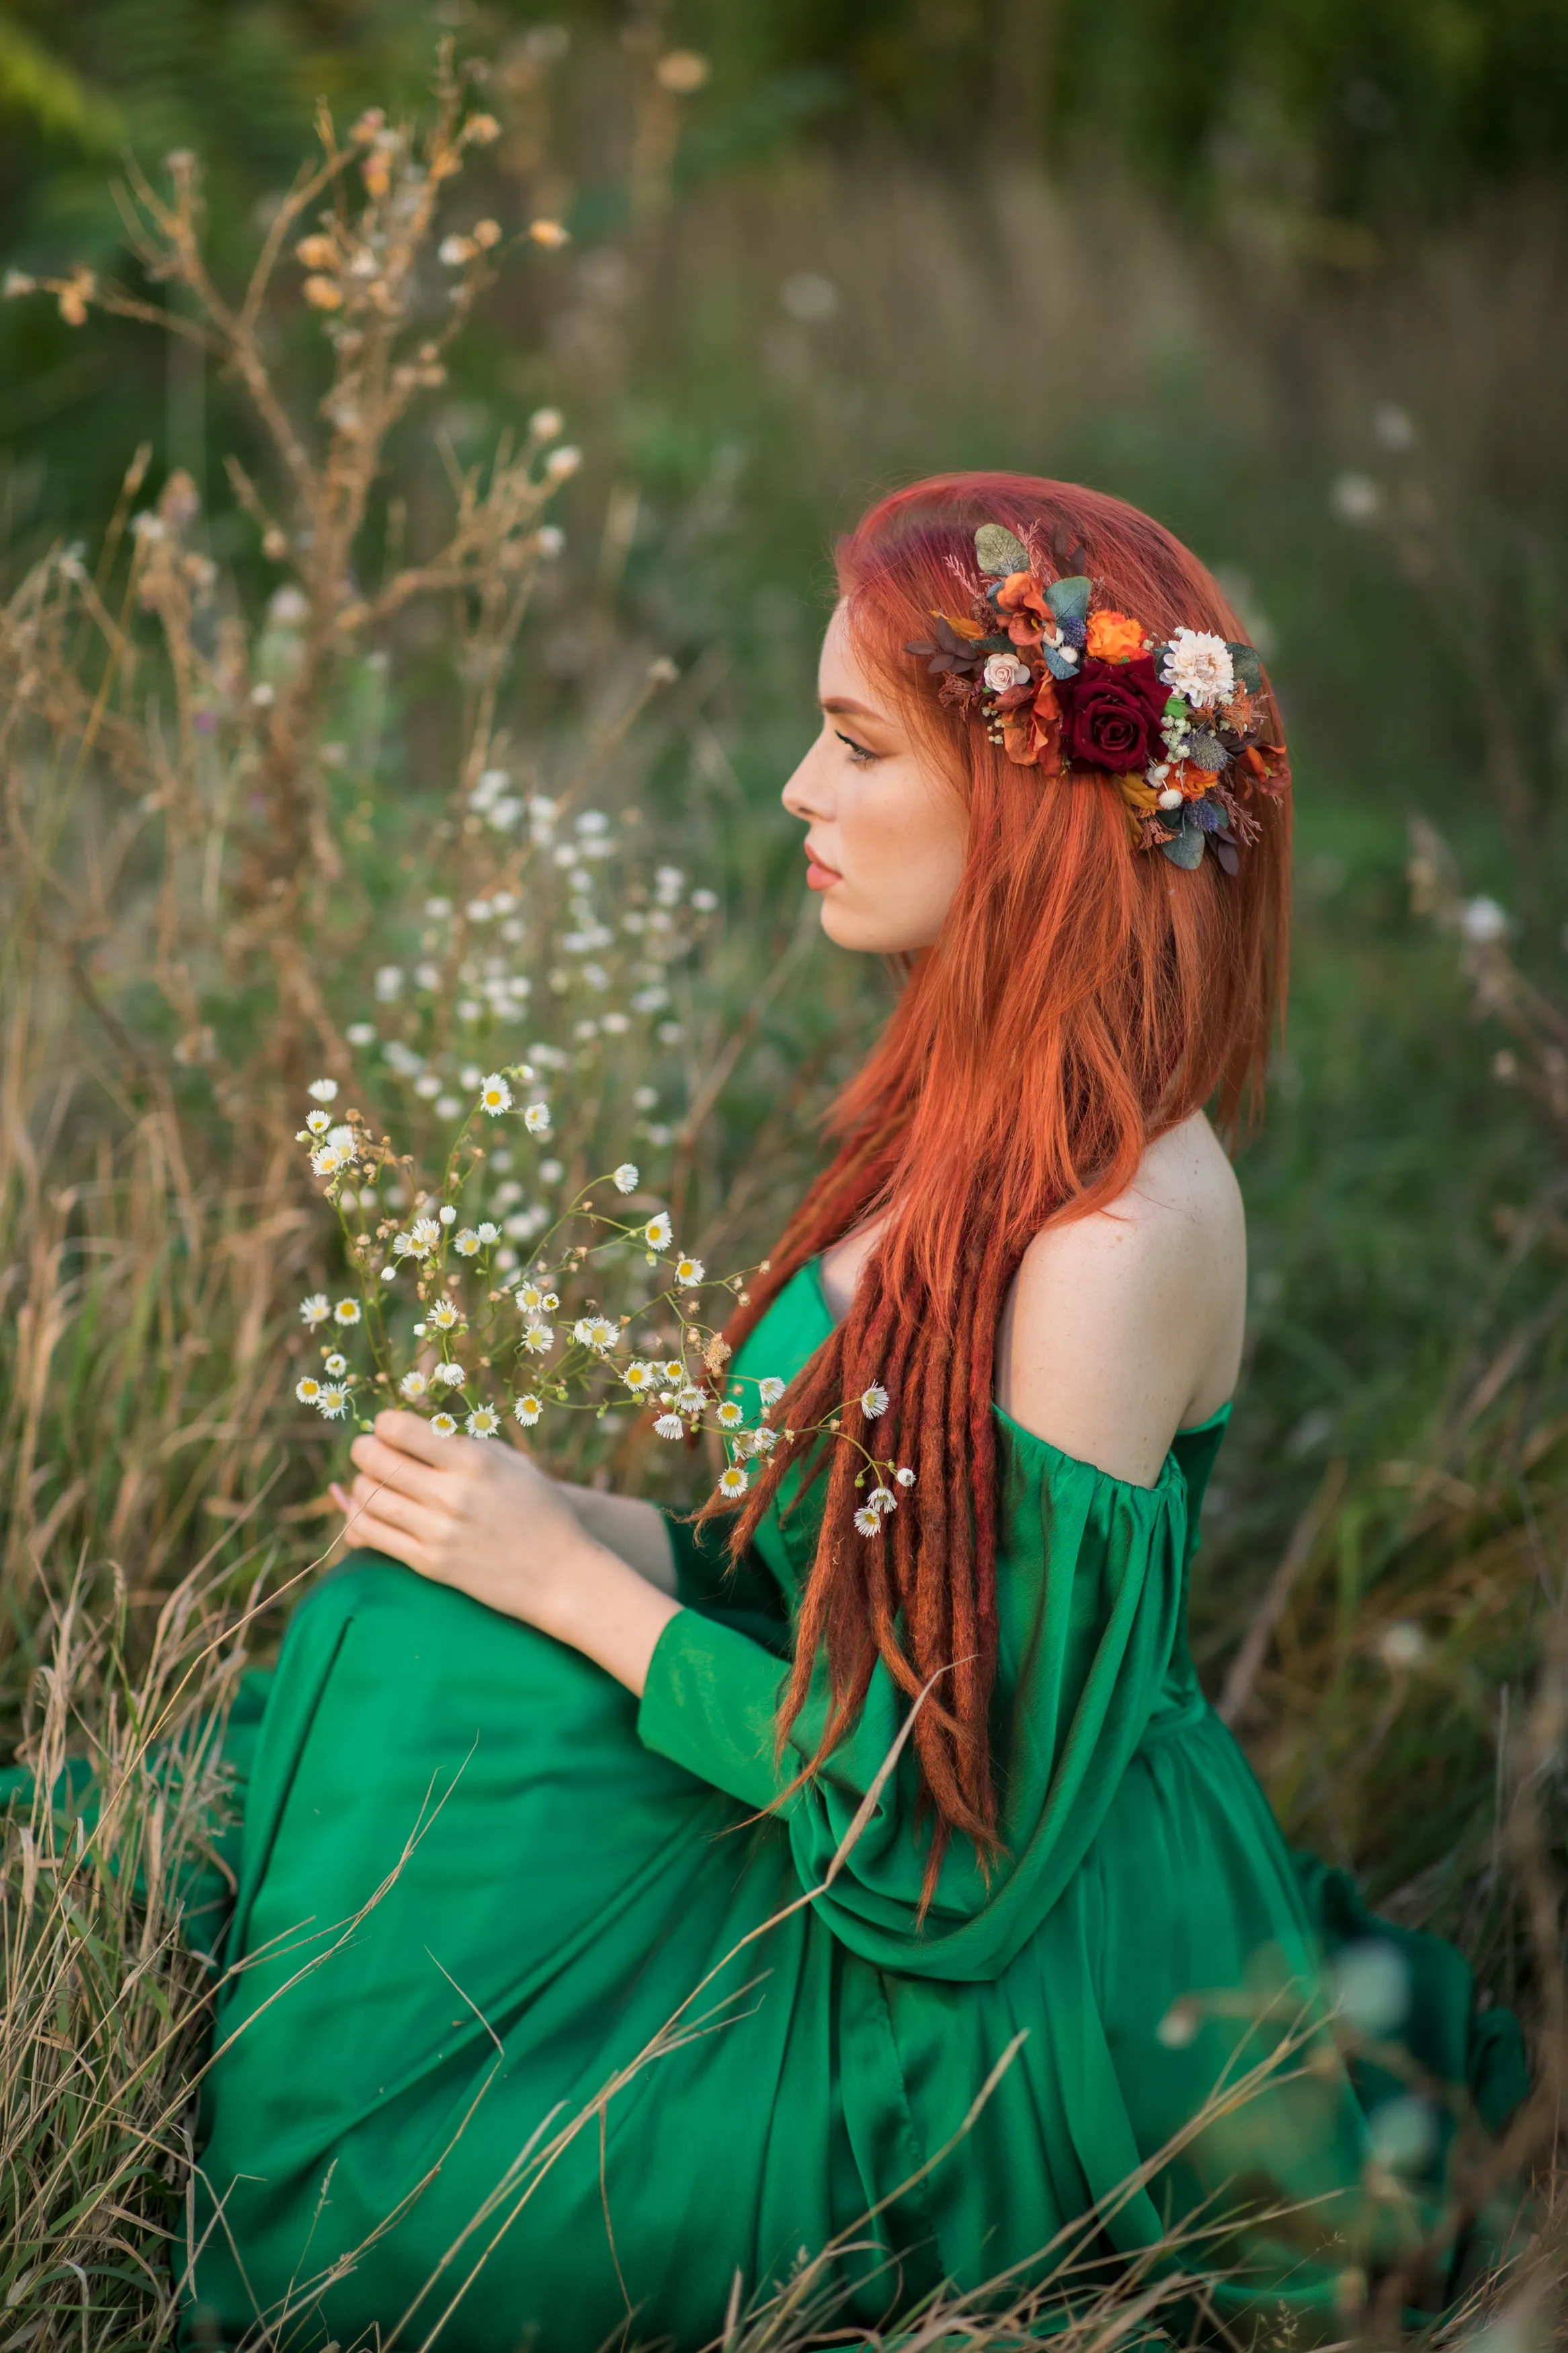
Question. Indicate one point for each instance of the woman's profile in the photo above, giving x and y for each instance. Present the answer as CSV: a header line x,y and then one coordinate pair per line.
x,y
535,1761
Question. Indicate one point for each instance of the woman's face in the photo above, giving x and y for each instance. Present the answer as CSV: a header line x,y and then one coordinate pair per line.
x,y
887,834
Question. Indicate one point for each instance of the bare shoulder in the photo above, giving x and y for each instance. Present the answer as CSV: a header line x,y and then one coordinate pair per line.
x,y
1125,1326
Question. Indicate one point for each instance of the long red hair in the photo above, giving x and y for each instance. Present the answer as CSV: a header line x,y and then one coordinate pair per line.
x,y
1082,998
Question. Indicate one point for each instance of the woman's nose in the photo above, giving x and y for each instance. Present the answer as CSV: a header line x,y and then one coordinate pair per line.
x,y
802,795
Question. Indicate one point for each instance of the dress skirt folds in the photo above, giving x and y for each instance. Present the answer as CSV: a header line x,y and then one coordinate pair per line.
x,y
528,2027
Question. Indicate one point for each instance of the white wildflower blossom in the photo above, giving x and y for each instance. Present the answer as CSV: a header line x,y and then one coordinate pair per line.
x,y
733,1480
443,1425
763,1440
673,1369
657,1231
874,1401
323,1091
670,1424
315,1309
413,1386
447,1215
318,1122
1198,665
730,1416
869,1521
347,1311
638,1377
596,1331
483,1422
538,1337
307,1390
688,1271
626,1178
536,1119
445,1314
329,1159
451,1376
334,1401
904,1475
423,1236
488,1232
336,1366
528,1409
691,1402
770,1389
467,1243
882,1499
494,1095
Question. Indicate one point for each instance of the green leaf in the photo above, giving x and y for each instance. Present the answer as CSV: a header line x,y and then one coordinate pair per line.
x,y
1187,850
1068,599
998,551
1248,669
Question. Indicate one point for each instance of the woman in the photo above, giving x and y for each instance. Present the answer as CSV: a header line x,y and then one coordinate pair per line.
x,y
537,1764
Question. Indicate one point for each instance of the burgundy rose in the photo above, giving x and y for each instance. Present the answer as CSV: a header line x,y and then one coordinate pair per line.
x,y
1111,713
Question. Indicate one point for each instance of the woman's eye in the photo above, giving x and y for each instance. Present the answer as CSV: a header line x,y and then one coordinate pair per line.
x,y
859,753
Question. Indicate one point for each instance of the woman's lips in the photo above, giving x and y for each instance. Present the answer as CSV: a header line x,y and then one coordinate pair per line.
x,y
819,877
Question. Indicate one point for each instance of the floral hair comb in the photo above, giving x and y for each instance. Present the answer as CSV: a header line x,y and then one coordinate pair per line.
x,y
1179,724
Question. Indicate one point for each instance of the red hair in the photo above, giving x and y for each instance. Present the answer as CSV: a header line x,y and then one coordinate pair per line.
x,y
1081,998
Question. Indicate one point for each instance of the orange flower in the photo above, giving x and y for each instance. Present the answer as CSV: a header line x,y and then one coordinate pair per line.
x,y
1023,599
1190,782
1114,637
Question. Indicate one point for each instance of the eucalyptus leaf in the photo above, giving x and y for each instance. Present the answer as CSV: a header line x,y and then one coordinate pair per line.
x,y
1058,664
1187,850
1248,668
999,550
1068,599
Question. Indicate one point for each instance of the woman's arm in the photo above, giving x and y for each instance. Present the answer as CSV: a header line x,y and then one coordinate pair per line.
x,y
484,1518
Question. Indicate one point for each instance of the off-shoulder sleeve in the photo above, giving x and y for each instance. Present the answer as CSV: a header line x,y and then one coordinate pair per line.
x,y
1091,1585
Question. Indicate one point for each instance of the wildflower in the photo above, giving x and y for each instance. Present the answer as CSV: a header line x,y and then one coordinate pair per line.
x,y
530,1297
335,1367
423,1237
730,1415
306,1390
545,424
689,1271
445,1315
453,252
494,1095
882,1499
771,1390
483,1422
1481,920
638,1377
443,1425
674,1370
670,1424
488,1232
528,1409
904,1475
314,1310
467,1243
538,1337
1198,665
318,1122
346,1312
328,1160
595,1332
691,1402
733,1480
763,1440
874,1401
706,902
334,1401
446,1214
626,1178
413,1386
561,464
451,1376
657,1231
869,1521
323,1091
536,1119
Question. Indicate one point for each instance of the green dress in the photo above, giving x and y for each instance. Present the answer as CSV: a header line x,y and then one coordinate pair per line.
x,y
478,1880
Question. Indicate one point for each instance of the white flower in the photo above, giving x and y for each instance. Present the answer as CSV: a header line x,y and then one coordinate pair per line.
x,y
869,1521
494,1095
306,1390
730,1416
657,1231
314,1310
705,901
638,1376
673,1369
1004,672
1198,666
733,1480
447,1215
536,1119
423,1236
882,1499
771,1390
361,1033
335,1367
318,1122
528,1409
691,1402
904,1475
346,1312
483,1422
874,1401
334,1401
625,1179
329,1158
1482,920
388,982
689,1271
324,1091
467,1243
596,1331
670,1424
413,1386
530,1297
443,1425
446,1315
538,1337
488,1232
452,1377
763,1440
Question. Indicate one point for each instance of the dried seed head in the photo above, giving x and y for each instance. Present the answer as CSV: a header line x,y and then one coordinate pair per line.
x,y
322,294
549,233
317,252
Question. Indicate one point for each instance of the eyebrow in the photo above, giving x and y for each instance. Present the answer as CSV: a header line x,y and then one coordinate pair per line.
x,y
841,706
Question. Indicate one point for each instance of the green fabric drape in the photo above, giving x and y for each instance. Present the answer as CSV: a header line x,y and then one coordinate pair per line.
x,y
477,1878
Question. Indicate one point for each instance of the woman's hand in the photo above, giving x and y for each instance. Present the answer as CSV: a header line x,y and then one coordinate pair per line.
x,y
483,1518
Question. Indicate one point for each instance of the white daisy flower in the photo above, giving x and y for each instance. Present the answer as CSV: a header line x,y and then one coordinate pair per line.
x,y
467,1243
626,1178
528,1409
445,1314
657,1231
670,1424
483,1422
323,1091
763,1440
446,1214
730,1416
347,1311
638,1377
335,1367
596,1331
882,1499
874,1401
771,1390
451,1376
549,1303
1198,666
413,1386
904,1475
536,1119
689,1271
869,1521
334,1401
494,1095
306,1390
315,1309
443,1425
423,1237
318,1122
329,1158
691,1402
488,1232
674,1370
530,1298
538,1337
733,1480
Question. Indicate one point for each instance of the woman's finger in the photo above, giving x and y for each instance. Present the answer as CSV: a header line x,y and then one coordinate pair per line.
x,y
376,1534
367,1500
412,1434
393,1467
